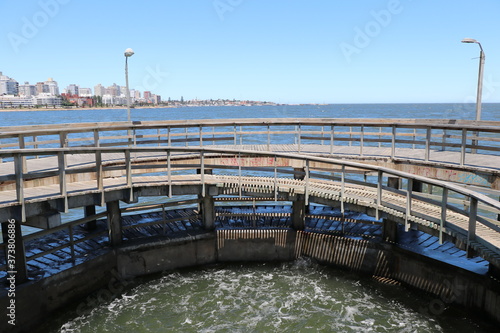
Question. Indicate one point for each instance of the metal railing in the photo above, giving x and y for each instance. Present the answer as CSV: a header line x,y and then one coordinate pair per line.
x,y
361,135
449,209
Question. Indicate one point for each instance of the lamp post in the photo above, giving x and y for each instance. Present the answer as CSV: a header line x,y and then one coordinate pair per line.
x,y
128,53
480,77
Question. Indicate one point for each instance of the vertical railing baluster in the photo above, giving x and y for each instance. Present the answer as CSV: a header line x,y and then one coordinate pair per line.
x,y
158,134
428,137
299,140
169,174
35,146
342,191
18,165
379,194
169,137
306,192
61,161
471,234
99,175
393,141
332,138
442,222
268,137
409,194
361,140
128,167
22,145
202,162
275,179
463,147
201,136
444,139
239,174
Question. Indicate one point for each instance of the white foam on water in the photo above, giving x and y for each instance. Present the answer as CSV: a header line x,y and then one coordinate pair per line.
x,y
299,296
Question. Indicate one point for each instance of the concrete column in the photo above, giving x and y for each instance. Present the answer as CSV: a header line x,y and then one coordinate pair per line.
x,y
20,269
207,211
417,186
114,223
299,212
89,211
390,228
394,182
390,231
300,173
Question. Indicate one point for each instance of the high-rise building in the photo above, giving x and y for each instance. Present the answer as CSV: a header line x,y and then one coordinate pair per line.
x,y
8,86
27,89
113,90
147,95
73,89
99,90
85,92
52,87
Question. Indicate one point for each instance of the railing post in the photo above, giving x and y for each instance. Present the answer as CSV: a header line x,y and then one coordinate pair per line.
x,y
22,145
201,136
463,147
202,162
268,137
63,139
96,138
393,141
187,144
332,138
128,167
62,179
409,194
342,191
35,145
428,138
299,139
471,233
379,193
99,175
239,175
169,137
275,179
158,135
18,165
442,221
235,135
306,192
361,140
444,140
169,174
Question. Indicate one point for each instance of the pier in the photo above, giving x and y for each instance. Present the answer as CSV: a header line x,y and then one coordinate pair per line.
x,y
242,189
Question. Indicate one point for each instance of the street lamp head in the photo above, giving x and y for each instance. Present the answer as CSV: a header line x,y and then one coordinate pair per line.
x,y
469,40
129,52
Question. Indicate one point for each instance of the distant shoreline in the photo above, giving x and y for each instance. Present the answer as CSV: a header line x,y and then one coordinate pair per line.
x,y
183,106
81,109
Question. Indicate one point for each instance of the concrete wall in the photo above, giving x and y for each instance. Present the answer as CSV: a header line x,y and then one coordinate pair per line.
x,y
107,275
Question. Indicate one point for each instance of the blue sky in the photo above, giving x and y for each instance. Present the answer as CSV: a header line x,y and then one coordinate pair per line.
x,y
287,51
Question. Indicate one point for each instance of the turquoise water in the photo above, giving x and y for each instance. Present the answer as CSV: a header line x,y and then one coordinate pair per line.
x,y
291,297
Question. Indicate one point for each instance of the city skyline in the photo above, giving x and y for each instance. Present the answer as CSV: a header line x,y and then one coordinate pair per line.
x,y
379,51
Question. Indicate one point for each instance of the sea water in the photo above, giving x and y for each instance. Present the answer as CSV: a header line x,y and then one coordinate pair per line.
x,y
299,296
290,297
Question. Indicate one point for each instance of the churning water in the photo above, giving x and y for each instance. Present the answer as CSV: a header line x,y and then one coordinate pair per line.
x,y
289,297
